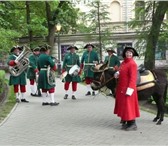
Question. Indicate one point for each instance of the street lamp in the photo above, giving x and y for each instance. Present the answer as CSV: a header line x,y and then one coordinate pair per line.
x,y
58,28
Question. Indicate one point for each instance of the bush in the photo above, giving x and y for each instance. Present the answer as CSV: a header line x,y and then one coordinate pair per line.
x,y
7,96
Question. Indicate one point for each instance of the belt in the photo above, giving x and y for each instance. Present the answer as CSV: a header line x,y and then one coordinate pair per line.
x,y
69,65
89,64
43,69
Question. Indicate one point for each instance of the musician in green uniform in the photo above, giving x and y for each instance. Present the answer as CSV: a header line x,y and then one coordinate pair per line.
x,y
33,71
88,60
71,59
18,81
44,62
112,60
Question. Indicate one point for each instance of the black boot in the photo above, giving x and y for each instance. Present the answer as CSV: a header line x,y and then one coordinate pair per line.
x,y
66,96
93,93
73,97
88,93
124,124
131,126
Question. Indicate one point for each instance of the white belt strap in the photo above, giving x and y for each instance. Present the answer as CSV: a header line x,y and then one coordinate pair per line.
x,y
89,64
43,69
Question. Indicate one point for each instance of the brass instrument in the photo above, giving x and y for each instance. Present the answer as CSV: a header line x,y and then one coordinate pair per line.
x,y
51,73
51,76
23,62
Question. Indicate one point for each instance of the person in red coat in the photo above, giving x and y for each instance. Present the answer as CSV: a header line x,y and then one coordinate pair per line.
x,y
126,103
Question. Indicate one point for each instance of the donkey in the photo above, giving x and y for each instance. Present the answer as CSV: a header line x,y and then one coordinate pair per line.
x,y
105,77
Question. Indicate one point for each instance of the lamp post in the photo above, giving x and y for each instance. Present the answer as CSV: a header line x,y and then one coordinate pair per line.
x,y
58,28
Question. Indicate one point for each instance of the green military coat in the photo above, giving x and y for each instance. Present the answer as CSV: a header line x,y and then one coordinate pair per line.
x,y
43,61
88,59
112,61
71,59
19,80
32,66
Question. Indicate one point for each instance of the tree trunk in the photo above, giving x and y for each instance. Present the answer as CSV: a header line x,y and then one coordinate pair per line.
x,y
51,27
153,36
30,32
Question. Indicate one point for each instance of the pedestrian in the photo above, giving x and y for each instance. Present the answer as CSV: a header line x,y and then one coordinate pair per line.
x,y
71,60
33,71
45,83
89,59
18,80
126,103
112,62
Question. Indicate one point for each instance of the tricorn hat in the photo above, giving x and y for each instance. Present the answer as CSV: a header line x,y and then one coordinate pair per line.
x,y
130,49
36,49
87,45
16,47
110,50
70,47
44,48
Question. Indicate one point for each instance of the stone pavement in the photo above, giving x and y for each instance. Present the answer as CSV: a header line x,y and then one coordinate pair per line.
x,y
85,121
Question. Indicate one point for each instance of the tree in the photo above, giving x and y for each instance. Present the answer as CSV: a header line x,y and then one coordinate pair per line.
x,y
152,39
94,22
150,29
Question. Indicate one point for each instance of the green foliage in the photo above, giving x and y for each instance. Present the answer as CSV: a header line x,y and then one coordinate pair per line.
x,y
143,25
8,39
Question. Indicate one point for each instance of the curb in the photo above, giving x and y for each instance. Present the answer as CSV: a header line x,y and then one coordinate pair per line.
x,y
6,118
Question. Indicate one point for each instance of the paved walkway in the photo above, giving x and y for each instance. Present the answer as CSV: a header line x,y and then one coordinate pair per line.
x,y
85,121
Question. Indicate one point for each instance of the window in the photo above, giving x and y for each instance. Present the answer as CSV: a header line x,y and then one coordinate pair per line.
x,y
120,48
115,11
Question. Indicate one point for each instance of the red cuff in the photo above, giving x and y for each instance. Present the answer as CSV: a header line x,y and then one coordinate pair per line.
x,y
116,68
12,63
36,70
81,66
63,70
54,68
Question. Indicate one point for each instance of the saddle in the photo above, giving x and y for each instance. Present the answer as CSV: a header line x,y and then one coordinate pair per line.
x,y
146,79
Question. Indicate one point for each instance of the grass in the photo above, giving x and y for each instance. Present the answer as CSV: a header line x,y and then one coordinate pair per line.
x,y
8,105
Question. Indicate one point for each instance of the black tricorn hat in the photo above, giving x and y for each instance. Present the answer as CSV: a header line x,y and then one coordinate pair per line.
x,y
110,50
36,49
87,45
130,49
16,47
44,48
70,47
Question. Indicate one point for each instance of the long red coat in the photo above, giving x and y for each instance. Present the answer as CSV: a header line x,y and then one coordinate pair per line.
x,y
126,106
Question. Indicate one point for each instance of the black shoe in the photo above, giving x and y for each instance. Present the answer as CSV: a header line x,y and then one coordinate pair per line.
x,y
17,100
54,103
36,95
93,93
45,103
88,93
73,97
66,96
109,94
24,100
132,127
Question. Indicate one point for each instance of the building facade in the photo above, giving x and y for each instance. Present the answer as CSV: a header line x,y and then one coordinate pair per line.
x,y
120,13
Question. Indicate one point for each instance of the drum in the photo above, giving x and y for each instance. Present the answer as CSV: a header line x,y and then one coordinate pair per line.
x,y
74,70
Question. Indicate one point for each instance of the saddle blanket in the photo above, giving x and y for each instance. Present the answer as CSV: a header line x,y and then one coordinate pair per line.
x,y
146,81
